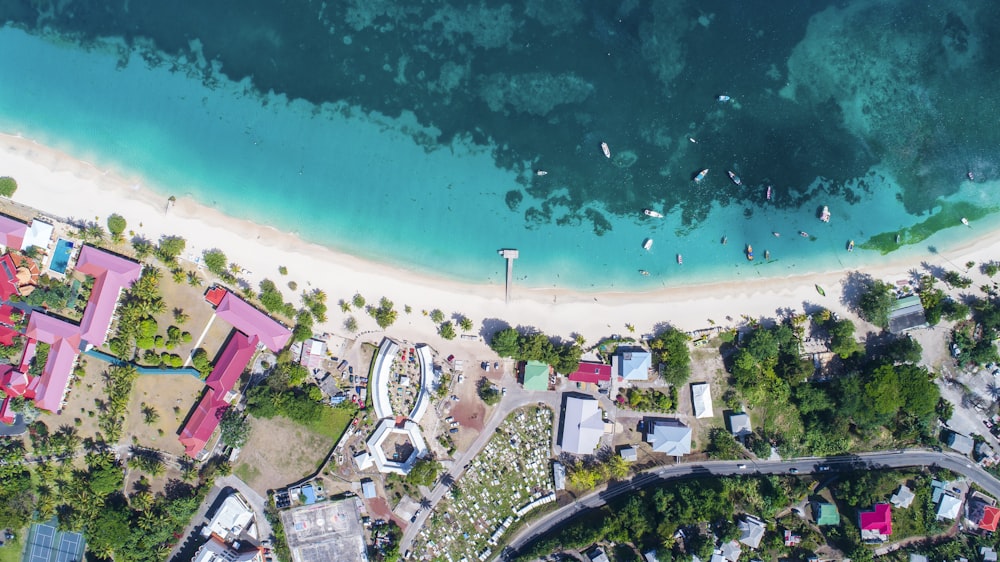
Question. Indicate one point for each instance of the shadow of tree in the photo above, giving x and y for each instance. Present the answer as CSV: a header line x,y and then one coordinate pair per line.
x,y
491,326
854,286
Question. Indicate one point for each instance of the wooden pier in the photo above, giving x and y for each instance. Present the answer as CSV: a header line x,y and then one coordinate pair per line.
x,y
509,255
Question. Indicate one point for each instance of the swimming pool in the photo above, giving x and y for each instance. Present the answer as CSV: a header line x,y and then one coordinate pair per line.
x,y
60,257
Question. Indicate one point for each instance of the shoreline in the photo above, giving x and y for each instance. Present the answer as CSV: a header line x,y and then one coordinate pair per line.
x,y
61,185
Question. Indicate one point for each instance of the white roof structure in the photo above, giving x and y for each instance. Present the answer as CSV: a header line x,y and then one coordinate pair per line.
x,y
363,460
731,551
669,436
217,551
751,530
232,517
558,476
38,234
701,399
427,380
368,488
629,454
582,426
386,428
380,378
902,498
739,425
949,507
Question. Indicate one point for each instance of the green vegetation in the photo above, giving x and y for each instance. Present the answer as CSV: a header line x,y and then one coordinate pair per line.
x,y
424,472
215,260
876,303
937,304
116,226
587,475
235,429
650,400
951,214
447,330
358,301
465,323
118,385
388,536
975,338
488,392
565,358
437,316
273,301
384,314
722,445
170,248
670,350
315,303
351,324
8,186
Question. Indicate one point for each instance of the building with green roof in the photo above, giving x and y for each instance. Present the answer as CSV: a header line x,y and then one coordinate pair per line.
x,y
536,375
826,514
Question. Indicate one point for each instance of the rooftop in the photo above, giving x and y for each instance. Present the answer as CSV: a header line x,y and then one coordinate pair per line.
x,y
325,532
669,436
633,363
593,373
701,399
64,341
877,522
582,424
536,375
111,274
252,322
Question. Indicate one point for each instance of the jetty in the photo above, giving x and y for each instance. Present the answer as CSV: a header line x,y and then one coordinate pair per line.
x,y
510,255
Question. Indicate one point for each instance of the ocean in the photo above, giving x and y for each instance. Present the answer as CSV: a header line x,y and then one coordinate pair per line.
x,y
412,134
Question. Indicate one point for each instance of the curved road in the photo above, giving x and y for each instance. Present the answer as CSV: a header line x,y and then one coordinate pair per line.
x,y
869,461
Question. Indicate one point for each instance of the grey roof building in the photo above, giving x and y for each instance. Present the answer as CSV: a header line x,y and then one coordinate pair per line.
x,y
907,313
739,425
751,530
961,443
582,426
669,436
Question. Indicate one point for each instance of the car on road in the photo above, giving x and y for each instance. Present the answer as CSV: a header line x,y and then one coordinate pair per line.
x,y
793,470
741,466
823,467
503,391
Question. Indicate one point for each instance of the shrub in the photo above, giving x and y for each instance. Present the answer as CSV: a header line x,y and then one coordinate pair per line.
x,y
116,225
7,186
215,260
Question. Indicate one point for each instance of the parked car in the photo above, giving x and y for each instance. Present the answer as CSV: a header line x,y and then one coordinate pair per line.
x,y
503,391
496,364
453,430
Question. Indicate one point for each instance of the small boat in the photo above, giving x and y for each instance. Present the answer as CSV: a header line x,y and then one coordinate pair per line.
x,y
724,240
736,179
820,290
768,193
680,260
749,252
776,234
897,239
803,234
965,221
970,176
767,254
606,150
541,173
651,213
850,246
825,214
701,175
644,272
647,243
692,140
723,98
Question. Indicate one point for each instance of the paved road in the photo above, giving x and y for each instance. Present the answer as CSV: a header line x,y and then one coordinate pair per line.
x,y
891,459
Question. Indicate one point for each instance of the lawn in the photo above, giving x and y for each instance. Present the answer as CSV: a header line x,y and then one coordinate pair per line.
x,y
11,550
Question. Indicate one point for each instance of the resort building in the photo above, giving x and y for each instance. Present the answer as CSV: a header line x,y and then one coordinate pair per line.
x,y
381,374
215,550
751,530
39,235
632,363
591,373
534,375
582,425
876,525
112,274
231,520
12,232
253,328
739,425
669,436
404,442
701,400
63,340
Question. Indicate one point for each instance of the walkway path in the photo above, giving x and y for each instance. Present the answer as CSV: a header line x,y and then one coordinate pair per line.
x,y
201,338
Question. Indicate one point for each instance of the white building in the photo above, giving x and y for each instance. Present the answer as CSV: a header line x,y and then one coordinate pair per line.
x,y
582,424
701,399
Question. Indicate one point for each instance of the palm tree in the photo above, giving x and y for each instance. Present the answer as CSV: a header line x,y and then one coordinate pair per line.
x,y
178,275
141,501
94,232
193,279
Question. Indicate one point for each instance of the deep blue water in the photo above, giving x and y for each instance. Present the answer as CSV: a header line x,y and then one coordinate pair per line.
x,y
411,134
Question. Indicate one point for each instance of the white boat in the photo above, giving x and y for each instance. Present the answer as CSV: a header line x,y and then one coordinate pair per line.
x,y
803,234
723,98
652,213
776,234
680,260
701,175
644,273
850,246
606,150
825,215
647,243
692,140
541,173
965,221
736,179
768,193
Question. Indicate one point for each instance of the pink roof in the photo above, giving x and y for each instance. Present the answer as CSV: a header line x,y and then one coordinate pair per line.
x,y
879,520
111,274
8,280
28,355
253,322
12,382
64,339
202,423
231,363
33,382
6,413
12,232
591,373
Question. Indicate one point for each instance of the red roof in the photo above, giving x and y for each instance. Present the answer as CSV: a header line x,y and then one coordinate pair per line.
x,y
6,311
111,274
591,373
6,413
252,322
8,277
12,232
28,355
215,294
879,520
991,516
12,382
7,335
231,364
202,423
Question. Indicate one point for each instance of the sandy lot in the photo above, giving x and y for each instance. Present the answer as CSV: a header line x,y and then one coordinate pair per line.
x,y
163,393
279,452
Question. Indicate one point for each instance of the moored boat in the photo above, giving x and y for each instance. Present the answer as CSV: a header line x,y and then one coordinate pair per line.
x,y
767,254
803,234
897,238
749,252
680,260
723,98
701,175
776,234
647,243
652,213
725,239
644,272
541,173
606,150
736,179
965,221
850,246
825,215
768,193
692,140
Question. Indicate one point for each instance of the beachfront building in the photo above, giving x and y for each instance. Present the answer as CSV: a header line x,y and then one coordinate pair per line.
x,y
252,328
112,274
632,363
669,436
906,314
12,232
39,235
701,400
582,425
534,375
49,388
591,373
396,448
876,525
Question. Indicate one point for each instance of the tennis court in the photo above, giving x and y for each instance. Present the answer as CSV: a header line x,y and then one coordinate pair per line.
x,y
47,544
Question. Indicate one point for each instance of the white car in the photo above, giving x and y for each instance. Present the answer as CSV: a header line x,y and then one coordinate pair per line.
x,y
741,466
503,391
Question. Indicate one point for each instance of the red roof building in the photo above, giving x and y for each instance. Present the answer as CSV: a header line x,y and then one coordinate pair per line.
x,y
7,335
12,232
64,346
252,322
214,295
991,517
6,412
877,524
591,373
6,314
8,277
202,423
231,364
111,274
13,383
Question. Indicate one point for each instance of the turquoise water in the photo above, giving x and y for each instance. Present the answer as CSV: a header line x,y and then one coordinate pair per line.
x,y
412,135
60,257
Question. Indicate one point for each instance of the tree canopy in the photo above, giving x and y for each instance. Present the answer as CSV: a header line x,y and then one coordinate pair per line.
x,y
876,303
671,350
7,186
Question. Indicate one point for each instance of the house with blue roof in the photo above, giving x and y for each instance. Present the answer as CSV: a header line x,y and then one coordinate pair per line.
x,y
632,363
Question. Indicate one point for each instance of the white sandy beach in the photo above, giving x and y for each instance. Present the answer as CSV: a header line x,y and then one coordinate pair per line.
x,y
62,186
